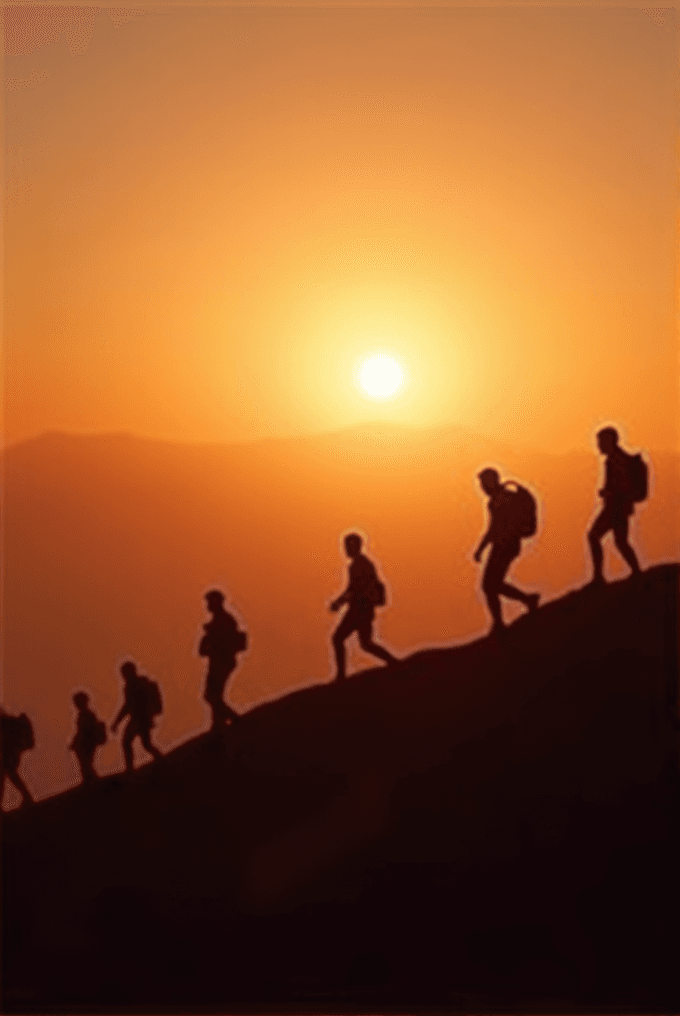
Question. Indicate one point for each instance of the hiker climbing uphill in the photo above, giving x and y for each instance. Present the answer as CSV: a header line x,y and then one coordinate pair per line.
x,y
625,484
363,594
142,704
512,511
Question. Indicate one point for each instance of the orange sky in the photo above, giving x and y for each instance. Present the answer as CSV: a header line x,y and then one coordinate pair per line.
x,y
214,213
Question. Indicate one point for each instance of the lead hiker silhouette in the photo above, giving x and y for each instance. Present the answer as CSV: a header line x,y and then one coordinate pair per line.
x,y
363,594
90,735
625,484
512,511
16,737
221,641
142,703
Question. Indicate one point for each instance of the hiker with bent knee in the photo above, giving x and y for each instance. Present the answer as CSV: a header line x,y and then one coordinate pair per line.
x,y
512,511
625,483
363,594
142,703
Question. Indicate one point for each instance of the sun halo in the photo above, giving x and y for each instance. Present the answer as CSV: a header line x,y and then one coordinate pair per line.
x,y
381,376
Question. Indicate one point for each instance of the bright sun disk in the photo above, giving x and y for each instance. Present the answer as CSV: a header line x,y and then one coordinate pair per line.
x,y
381,376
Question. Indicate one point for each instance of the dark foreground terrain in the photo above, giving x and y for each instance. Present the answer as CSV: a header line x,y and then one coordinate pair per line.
x,y
489,828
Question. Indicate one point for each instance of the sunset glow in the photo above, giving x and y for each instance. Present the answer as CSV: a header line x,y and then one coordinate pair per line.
x,y
381,376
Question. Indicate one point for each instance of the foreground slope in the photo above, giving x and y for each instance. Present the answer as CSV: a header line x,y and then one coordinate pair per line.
x,y
489,826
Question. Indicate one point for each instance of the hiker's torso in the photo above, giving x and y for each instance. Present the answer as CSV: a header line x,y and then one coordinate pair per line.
x,y
502,531
219,641
362,579
617,490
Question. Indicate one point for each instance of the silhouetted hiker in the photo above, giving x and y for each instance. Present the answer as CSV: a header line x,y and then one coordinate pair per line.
x,y
142,703
513,516
90,734
625,483
222,640
363,594
16,737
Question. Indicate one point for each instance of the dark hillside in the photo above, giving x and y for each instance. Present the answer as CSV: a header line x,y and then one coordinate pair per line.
x,y
491,827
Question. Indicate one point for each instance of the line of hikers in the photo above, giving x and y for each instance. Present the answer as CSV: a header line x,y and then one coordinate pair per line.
x,y
512,518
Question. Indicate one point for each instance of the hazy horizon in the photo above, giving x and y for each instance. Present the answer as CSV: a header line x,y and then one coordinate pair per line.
x,y
216,215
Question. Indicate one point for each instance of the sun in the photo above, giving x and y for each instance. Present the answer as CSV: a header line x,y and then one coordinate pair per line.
x,y
381,376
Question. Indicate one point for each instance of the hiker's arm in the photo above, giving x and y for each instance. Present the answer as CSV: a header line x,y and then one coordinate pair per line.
x,y
124,710
342,598
486,539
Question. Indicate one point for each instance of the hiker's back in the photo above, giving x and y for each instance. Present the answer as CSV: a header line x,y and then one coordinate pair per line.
x,y
366,589
16,736
144,698
514,513
627,477
222,638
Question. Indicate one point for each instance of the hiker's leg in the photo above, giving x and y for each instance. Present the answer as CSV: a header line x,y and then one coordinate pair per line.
x,y
128,737
491,582
214,686
506,555
87,767
343,631
145,738
369,646
623,546
601,526
20,785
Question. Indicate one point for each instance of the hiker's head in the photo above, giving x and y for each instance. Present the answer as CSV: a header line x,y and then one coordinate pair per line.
x,y
214,599
353,544
607,440
128,669
80,699
489,480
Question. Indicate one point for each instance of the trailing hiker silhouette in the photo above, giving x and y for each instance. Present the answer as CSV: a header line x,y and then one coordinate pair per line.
x,y
16,737
90,735
363,594
142,703
512,511
221,641
625,484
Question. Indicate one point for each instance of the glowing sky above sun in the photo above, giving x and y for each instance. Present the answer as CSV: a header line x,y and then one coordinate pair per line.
x,y
381,376
217,214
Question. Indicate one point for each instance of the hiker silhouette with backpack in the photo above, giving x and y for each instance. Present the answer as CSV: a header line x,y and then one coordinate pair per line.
x,y
625,484
222,640
90,735
512,511
363,594
16,737
142,704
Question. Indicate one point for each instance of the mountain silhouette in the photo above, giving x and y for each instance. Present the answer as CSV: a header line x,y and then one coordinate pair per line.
x,y
111,542
490,827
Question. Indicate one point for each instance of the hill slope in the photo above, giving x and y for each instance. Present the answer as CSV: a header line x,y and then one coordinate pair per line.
x,y
111,541
492,826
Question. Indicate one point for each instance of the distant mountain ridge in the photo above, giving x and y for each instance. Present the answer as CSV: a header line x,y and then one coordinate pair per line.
x,y
488,827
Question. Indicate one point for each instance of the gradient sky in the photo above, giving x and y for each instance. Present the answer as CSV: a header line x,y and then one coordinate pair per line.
x,y
215,213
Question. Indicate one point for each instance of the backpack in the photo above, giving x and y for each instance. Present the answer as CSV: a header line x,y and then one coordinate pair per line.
x,y
240,641
638,476
17,734
150,695
520,512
